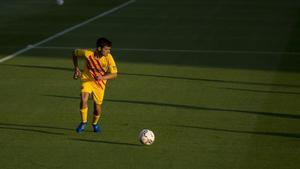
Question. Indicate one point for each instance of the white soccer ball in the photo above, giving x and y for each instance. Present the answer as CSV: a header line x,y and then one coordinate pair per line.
x,y
146,137
59,2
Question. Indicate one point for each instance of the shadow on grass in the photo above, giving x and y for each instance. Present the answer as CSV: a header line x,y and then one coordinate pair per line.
x,y
164,76
29,130
213,80
28,127
106,142
36,126
270,114
39,67
278,134
261,91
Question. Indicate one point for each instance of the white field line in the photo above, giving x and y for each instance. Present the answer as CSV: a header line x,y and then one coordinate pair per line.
x,y
66,31
180,51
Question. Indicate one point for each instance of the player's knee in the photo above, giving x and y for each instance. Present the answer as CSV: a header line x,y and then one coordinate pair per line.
x,y
83,104
97,109
97,112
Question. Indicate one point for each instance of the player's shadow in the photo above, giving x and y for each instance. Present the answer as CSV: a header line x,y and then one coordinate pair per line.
x,y
165,76
27,128
270,114
277,134
105,142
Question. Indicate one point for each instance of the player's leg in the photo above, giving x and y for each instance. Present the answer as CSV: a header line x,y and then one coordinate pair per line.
x,y
84,96
96,117
86,89
98,95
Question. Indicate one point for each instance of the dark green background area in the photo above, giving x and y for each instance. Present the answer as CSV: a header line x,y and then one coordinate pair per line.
x,y
217,81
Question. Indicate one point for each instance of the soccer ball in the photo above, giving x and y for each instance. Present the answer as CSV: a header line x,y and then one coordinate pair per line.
x,y
146,137
59,2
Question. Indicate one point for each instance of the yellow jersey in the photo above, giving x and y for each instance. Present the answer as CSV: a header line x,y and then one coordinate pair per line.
x,y
95,66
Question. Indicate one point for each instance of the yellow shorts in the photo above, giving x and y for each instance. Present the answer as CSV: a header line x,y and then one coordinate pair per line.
x,y
92,88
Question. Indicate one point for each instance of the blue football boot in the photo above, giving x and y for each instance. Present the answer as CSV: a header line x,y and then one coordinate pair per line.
x,y
81,127
96,128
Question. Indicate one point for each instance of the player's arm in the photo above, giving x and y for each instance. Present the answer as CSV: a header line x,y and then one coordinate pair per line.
x,y
110,76
77,53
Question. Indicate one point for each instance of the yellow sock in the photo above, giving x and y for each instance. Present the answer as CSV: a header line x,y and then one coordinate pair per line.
x,y
84,113
96,119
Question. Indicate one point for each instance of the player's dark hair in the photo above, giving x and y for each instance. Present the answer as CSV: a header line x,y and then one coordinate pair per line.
x,y
101,42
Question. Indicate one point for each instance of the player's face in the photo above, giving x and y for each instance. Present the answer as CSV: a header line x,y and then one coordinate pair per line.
x,y
105,50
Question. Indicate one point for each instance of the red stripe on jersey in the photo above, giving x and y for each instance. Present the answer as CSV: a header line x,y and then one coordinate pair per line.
x,y
102,72
92,71
100,67
96,80
90,66
97,68
92,61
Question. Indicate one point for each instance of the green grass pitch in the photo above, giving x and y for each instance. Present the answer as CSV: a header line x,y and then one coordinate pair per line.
x,y
218,81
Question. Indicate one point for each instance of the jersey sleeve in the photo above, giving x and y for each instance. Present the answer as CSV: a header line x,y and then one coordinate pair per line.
x,y
112,67
80,52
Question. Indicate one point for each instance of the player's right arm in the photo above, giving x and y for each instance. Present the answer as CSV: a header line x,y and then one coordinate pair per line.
x,y
77,53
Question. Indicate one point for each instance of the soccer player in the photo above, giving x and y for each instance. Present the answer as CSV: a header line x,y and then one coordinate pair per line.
x,y
99,67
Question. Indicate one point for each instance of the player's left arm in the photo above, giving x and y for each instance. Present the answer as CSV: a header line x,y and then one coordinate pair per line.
x,y
112,67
